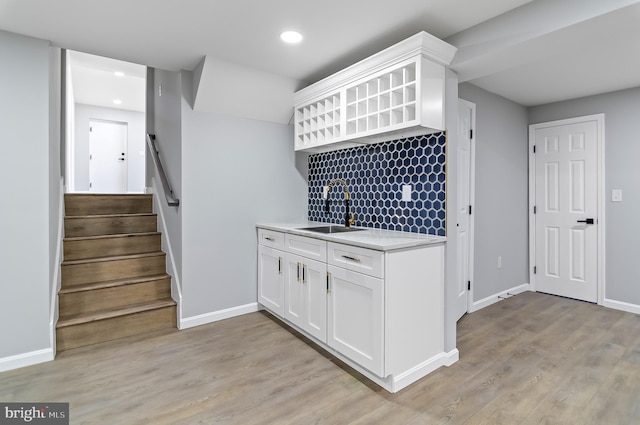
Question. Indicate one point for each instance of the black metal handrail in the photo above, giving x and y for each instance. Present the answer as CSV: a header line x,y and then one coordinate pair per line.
x,y
168,192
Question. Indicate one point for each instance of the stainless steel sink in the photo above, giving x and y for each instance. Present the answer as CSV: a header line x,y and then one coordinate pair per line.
x,y
330,229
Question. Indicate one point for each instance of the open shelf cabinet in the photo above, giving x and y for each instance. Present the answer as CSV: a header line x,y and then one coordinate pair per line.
x,y
398,92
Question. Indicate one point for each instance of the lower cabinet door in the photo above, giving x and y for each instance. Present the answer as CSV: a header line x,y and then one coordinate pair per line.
x,y
315,299
293,290
271,279
355,317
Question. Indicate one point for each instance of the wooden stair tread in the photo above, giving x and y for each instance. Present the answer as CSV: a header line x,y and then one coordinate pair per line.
x,y
114,236
109,215
114,258
111,313
108,195
111,283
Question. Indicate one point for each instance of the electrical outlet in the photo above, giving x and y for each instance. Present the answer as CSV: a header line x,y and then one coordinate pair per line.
x,y
616,195
499,262
406,192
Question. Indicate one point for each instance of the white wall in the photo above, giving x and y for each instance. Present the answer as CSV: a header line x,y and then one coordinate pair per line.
x,y
622,150
501,197
235,172
24,221
135,144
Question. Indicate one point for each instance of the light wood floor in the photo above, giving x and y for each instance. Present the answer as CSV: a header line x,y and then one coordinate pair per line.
x,y
531,359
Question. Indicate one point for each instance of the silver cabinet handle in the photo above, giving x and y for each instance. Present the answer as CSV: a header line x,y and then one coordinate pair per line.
x,y
269,239
328,279
346,257
298,272
304,279
279,265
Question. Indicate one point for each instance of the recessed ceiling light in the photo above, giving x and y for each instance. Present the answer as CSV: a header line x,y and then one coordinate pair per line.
x,y
119,74
291,37
117,101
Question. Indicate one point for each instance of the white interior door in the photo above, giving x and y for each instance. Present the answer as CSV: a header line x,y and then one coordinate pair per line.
x,y
463,225
566,208
107,157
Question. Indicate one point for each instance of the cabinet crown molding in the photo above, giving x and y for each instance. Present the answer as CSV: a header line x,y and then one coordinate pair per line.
x,y
423,43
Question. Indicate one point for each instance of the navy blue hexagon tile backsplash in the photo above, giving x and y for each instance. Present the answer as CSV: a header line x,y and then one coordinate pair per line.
x,y
375,175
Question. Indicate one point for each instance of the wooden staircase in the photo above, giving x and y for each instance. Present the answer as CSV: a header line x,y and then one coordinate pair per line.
x,y
114,280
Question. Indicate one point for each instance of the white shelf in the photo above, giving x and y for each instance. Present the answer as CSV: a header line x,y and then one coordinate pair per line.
x,y
399,90
318,122
386,100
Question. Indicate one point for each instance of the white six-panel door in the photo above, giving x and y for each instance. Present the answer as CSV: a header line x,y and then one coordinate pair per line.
x,y
566,208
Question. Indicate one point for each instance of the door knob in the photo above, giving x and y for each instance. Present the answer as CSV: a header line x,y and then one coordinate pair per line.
x,y
587,221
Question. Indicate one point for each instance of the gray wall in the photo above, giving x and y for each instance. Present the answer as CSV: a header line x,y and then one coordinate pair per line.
x,y
24,224
135,144
622,150
236,172
501,193
167,124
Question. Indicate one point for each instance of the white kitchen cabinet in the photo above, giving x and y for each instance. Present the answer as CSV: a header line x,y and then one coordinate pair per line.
x,y
271,279
361,260
306,295
305,288
294,299
382,312
356,316
398,92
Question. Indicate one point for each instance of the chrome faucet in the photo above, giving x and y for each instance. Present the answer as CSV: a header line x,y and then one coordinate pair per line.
x,y
348,218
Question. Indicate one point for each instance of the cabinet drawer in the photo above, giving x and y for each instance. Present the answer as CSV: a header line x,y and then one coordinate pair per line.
x,y
360,260
271,238
306,247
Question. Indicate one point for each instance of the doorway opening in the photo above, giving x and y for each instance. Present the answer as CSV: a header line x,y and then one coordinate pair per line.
x,y
105,103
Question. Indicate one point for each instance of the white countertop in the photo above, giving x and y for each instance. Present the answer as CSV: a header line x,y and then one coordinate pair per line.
x,y
378,239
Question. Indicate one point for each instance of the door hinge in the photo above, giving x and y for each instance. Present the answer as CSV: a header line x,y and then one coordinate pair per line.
x,y
534,148
468,285
471,134
90,185
469,209
534,209
90,129
90,156
535,269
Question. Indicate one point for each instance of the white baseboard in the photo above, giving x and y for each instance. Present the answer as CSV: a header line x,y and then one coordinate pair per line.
x,y
214,316
486,302
409,377
620,305
176,285
57,280
26,359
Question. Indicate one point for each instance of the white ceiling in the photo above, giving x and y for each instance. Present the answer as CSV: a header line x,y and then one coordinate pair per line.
x,y
532,52
94,82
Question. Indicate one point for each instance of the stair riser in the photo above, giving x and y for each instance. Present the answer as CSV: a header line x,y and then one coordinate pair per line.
x,y
107,204
105,247
114,328
113,298
96,226
76,274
